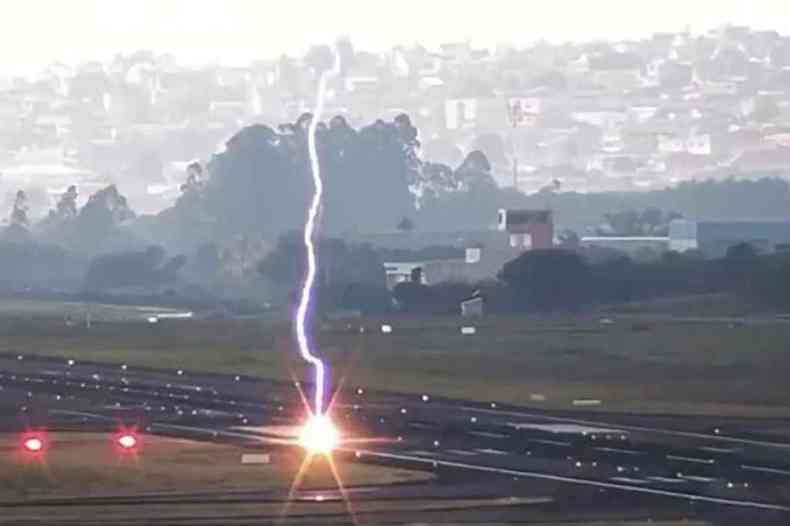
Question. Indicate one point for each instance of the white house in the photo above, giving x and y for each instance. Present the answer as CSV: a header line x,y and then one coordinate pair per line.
x,y
460,113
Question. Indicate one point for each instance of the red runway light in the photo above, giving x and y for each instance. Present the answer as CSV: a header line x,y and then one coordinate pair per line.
x,y
33,444
127,441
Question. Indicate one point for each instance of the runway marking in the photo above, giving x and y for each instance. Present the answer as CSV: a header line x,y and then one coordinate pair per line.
x,y
566,429
691,459
616,450
220,432
712,449
696,478
581,421
462,452
420,425
80,413
775,471
586,402
629,480
487,434
50,372
488,451
573,480
550,442
668,480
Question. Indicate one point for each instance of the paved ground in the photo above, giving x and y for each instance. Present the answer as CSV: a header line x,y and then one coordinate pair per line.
x,y
507,463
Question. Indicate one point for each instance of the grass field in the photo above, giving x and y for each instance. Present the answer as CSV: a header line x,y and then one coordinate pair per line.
x,y
717,304
86,464
79,312
633,365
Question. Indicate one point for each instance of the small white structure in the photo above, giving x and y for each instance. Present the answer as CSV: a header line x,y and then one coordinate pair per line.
x,y
386,329
460,113
473,254
175,315
401,272
468,330
473,306
586,402
256,458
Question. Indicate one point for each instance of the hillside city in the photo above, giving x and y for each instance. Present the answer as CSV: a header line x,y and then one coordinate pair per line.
x,y
591,117
450,174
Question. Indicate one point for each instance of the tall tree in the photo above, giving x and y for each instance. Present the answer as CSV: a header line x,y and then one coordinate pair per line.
x,y
66,207
475,170
549,280
19,217
99,226
492,145
260,185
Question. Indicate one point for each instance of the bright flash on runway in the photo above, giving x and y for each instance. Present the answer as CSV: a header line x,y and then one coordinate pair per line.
x,y
319,435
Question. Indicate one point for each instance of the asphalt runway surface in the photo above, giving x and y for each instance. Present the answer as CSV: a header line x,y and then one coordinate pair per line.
x,y
545,465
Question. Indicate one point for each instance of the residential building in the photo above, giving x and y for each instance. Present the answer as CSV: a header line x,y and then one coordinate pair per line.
x,y
528,229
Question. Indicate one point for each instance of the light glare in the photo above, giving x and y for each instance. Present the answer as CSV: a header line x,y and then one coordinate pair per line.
x,y
319,435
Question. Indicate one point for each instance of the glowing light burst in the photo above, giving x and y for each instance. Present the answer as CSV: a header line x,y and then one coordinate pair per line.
x,y
320,439
309,231
319,435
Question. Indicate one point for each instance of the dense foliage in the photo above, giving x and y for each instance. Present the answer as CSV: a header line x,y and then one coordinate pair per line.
x,y
350,277
378,178
566,281
260,185
144,268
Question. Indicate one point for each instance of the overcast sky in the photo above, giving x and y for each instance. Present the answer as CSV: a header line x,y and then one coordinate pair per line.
x,y
36,32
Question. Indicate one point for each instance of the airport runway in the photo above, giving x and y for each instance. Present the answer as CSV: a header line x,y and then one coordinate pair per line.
x,y
728,471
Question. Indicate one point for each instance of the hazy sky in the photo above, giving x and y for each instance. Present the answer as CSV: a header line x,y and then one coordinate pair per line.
x,y
36,32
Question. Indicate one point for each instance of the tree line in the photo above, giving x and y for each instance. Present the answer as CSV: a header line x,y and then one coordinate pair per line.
x,y
558,280
376,180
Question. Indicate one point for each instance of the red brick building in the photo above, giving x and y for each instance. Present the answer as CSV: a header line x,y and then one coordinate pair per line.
x,y
528,229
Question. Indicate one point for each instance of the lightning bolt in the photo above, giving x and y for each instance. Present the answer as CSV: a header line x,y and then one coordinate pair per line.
x,y
305,299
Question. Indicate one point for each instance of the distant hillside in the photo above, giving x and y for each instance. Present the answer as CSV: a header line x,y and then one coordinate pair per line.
x,y
767,199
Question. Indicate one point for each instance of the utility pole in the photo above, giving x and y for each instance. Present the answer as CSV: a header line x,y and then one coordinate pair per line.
x,y
513,113
515,155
